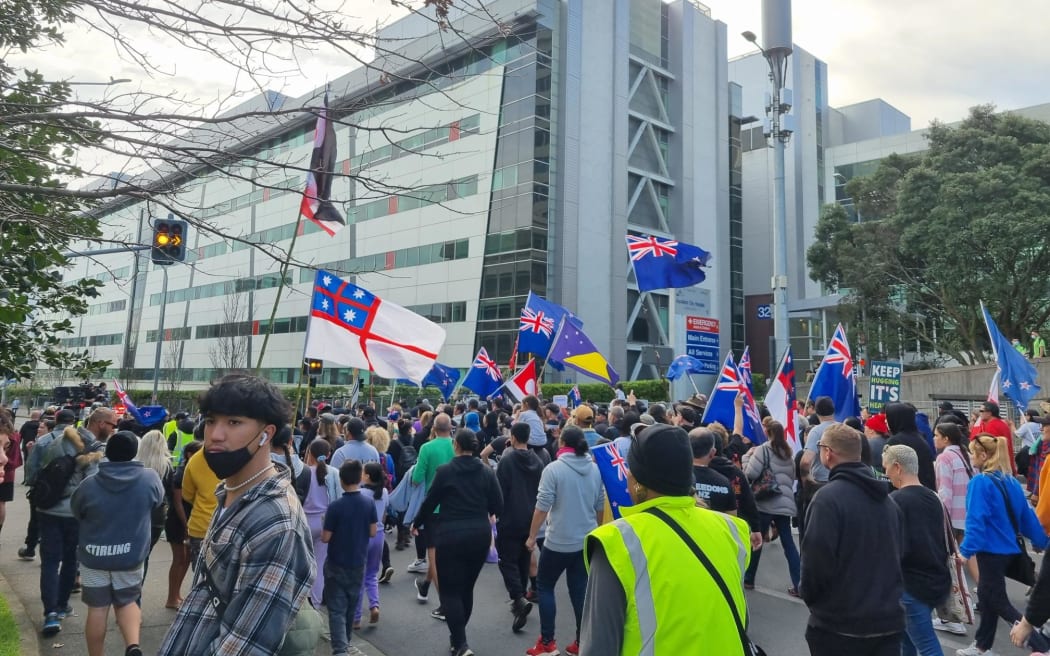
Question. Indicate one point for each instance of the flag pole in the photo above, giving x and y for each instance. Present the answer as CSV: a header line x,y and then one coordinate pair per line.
x,y
984,316
809,392
561,324
280,288
693,383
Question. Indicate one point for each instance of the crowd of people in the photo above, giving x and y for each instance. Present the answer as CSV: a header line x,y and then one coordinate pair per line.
x,y
285,522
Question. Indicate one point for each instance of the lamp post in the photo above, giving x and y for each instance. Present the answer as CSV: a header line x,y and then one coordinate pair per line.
x,y
777,58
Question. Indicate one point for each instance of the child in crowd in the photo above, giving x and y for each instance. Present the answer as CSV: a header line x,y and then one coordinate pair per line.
x,y
349,525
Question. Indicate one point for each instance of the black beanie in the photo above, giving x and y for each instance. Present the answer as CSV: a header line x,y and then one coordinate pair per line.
x,y
662,460
122,446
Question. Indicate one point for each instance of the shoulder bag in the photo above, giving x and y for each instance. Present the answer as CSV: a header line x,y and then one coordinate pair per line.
x,y
750,648
302,636
1021,567
958,606
765,485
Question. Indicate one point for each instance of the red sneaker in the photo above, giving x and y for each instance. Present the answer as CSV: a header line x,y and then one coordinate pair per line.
x,y
543,649
573,649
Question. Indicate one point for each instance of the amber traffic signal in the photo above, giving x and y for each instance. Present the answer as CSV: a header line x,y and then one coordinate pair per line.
x,y
169,240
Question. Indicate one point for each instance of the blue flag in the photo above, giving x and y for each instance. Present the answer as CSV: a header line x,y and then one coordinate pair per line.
x,y
836,378
576,351
612,465
574,396
1016,374
745,369
664,263
721,408
484,377
442,377
539,324
682,365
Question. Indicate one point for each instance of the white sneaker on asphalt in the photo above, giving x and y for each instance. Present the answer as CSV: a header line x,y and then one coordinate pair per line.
x,y
956,628
419,566
972,650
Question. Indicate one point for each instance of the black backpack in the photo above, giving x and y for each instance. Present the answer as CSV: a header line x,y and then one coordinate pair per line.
x,y
408,456
52,480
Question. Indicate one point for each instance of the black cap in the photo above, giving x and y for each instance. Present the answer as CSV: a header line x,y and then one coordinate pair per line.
x,y
122,446
65,416
662,460
356,428
945,405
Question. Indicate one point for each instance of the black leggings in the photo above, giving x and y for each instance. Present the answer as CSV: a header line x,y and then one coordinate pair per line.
x,y
991,595
460,557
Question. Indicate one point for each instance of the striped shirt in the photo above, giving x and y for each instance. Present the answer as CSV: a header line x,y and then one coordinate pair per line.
x,y
260,555
953,475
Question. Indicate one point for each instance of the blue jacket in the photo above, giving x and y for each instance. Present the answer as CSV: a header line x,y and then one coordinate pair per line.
x,y
988,527
407,498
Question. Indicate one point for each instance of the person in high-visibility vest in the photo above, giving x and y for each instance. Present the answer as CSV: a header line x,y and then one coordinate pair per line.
x,y
649,592
170,427
183,436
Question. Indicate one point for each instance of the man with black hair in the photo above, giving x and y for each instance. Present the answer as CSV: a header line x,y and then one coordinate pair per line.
x,y
813,473
257,558
518,473
711,487
356,448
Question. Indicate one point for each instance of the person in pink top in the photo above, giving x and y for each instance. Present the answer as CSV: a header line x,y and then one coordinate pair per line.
x,y
954,472
323,488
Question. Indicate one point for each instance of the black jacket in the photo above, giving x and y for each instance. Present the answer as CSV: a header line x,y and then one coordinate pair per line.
x,y
467,491
519,478
904,430
851,555
745,499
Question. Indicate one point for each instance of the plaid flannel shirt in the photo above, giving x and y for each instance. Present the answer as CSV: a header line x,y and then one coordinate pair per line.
x,y
260,555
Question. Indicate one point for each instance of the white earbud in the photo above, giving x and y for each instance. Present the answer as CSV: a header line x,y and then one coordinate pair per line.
x,y
262,440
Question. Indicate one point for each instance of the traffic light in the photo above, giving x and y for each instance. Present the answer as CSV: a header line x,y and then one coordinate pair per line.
x,y
312,367
169,240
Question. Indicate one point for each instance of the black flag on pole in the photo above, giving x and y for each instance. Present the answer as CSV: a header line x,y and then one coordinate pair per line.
x,y
317,204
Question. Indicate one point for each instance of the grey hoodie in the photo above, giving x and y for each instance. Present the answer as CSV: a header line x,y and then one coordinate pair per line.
x,y
571,491
112,540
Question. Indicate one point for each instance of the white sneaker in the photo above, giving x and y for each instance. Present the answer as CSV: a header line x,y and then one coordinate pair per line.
x,y
972,650
956,628
419,566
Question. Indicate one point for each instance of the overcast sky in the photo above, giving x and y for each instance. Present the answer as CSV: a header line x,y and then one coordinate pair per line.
x,y
929,58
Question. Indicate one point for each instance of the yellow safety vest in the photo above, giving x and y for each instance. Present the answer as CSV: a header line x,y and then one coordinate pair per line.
x,y
169,428
180,443
673,604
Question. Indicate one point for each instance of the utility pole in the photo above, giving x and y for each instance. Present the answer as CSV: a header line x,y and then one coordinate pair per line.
x,y
776,32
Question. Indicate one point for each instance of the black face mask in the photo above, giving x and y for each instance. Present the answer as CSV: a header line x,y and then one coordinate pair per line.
x,y
227,463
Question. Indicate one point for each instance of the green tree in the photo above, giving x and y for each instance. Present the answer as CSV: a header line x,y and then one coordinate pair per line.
x,y
36,228
154,144
967,221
